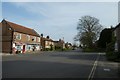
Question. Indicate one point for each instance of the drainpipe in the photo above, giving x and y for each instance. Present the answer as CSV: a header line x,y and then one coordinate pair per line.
x,y
12,43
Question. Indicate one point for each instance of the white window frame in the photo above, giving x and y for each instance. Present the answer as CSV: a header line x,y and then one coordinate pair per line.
x,y
46,43
18,36
28,37
38,39
34,38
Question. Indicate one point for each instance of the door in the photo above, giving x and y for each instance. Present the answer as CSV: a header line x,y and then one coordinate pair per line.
x,y
23,49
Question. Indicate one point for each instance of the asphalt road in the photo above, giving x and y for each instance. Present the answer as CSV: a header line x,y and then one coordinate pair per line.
x,y
70,64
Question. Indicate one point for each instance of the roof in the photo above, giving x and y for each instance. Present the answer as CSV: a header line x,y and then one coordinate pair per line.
x,y
46,39
117,26
56,41
22,29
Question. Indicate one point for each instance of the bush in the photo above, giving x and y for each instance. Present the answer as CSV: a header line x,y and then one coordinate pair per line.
x,y
118,56
113,56
110,47
110,54
100,49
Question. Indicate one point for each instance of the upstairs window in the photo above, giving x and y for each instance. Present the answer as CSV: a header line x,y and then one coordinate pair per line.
x,y
47,43
34,39
18,36
38,39
28,38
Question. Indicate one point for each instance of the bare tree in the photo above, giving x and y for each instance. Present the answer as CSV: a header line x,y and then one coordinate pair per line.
x,y
89,29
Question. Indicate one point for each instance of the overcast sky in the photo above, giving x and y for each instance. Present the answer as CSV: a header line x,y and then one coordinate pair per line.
x,y
59,19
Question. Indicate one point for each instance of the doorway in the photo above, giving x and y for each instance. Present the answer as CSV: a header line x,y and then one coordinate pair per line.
x,y
23,49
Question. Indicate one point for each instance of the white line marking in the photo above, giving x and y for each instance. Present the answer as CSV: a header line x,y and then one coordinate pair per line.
x,y
91,75
106,69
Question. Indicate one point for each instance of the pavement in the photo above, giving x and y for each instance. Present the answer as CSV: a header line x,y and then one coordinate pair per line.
x,y
107,69
66,64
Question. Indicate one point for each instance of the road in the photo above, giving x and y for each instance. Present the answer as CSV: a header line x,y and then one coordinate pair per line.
x,y
69,64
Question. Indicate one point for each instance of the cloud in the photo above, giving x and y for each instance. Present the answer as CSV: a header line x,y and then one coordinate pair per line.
x,y
60,19
60,0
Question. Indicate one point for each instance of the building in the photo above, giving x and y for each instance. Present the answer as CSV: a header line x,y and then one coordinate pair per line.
x,y
68,45
18,39
59,44
117,35
47,43
105,38
0,37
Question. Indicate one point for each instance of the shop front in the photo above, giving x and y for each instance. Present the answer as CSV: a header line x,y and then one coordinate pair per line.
x,y
32,47
19,47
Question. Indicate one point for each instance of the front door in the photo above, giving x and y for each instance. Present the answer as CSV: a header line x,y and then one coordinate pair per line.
x,y
23,49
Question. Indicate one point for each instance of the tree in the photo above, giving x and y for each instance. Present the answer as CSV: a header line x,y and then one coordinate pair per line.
x,y
89,29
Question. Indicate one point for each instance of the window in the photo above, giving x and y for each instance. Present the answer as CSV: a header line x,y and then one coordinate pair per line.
x,y
47,43
38,39
18,36
29,47
34,39
18,47
28,38
9,29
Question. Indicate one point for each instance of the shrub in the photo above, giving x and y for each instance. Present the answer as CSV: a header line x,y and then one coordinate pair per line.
x,y
110,55
110,47
113,56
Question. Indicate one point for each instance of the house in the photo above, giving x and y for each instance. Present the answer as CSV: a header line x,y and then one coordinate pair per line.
x,y
47,43
105,38
68,45
0,37
18,39
59,44
117,35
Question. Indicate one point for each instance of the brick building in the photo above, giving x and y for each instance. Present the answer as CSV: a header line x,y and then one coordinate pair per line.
x,y
17,38
47,43
59,44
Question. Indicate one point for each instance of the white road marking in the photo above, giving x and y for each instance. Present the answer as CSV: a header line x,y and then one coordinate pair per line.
x,y
106,69
91,75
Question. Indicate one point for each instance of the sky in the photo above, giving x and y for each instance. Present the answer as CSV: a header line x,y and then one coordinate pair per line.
x,y
59,19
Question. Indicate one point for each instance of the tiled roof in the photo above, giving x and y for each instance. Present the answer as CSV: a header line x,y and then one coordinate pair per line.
x,y
22,29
